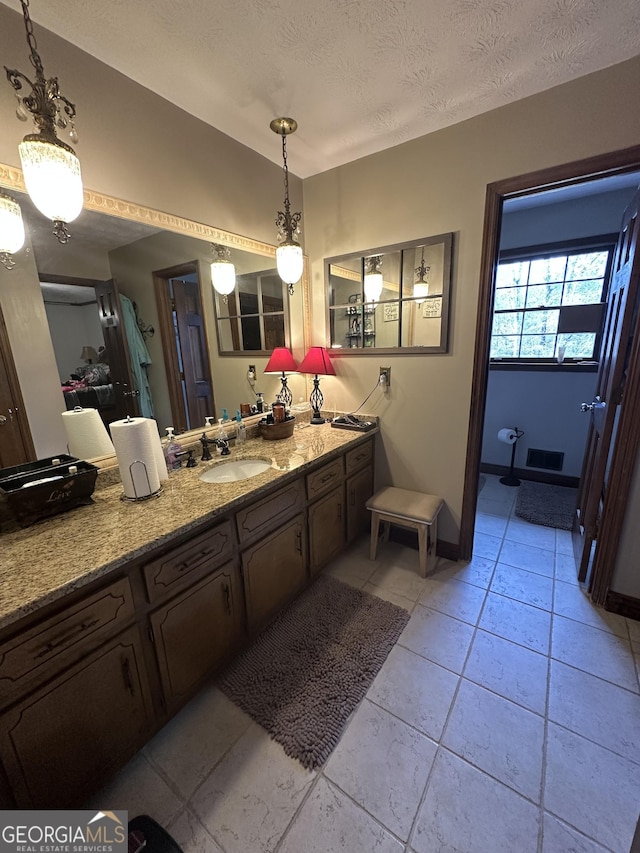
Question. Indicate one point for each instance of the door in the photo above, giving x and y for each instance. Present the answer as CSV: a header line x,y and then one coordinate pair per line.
x,y
193,349
115,340
620,326
16,447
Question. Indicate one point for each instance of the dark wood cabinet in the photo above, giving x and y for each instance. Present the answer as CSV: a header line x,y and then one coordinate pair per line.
x,y
359,488
326,528
80,727
274,570
196,631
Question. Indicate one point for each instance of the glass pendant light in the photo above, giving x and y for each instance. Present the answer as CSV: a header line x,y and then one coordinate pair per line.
x,y
289,258
373,281
421,287
223,272
51,169
11,230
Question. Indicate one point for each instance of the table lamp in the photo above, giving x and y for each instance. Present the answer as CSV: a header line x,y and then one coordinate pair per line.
x,y
281,360
316,361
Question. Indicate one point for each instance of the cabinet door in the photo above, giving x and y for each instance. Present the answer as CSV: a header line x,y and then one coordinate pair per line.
x,y
62,742
359,490
195,632
326,528
274,570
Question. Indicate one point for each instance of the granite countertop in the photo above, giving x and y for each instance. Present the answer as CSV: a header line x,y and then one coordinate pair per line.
x,y
41,563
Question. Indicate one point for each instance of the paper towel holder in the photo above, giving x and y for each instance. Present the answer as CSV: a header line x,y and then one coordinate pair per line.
x,y
510,479
145,474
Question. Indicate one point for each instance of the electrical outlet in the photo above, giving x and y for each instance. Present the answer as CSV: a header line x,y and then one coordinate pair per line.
x,y
386,373
251,375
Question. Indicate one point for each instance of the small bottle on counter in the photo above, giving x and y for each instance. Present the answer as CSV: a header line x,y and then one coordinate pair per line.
x,y
260,402
241,430
170,448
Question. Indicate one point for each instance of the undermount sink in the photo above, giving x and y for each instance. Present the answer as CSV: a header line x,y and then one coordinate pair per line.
x,y
235,469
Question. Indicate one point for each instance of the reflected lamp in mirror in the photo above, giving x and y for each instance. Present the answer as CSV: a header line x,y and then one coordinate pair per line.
x,y
289,257
317,361
50,167
223,272
373,281
283,362
11,230
89,355
421,286
411,310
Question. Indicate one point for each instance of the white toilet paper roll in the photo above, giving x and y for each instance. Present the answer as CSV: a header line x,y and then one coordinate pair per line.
x,y
136,457
87,436
507,436
161,463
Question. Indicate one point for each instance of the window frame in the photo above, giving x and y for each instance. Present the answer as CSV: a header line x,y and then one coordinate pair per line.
x,y
540,251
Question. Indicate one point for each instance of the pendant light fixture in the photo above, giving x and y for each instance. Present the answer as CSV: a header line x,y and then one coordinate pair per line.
x,y
289,253
11,230
223,272
421,287
50,167
373,279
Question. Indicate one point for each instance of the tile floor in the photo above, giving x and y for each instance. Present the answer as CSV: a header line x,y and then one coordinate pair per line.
x,y
506,718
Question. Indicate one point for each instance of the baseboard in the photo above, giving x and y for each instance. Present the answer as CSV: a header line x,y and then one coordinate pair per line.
x,y
409,538
624,605
529,474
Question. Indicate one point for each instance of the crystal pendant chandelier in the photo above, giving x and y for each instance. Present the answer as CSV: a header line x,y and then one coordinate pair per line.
x,y
223,272
50,167
289,253
11,230
373,279
421,287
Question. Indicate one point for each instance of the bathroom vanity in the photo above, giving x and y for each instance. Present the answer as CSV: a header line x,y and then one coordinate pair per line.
x,y
113,615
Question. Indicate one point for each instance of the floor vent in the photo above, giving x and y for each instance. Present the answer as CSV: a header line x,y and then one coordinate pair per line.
x,y
549,460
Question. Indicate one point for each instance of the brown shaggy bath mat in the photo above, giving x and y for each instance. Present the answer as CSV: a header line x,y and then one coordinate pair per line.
x,y
308,670
550,506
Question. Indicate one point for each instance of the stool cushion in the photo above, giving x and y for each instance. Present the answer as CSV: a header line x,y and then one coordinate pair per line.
x,y
406,504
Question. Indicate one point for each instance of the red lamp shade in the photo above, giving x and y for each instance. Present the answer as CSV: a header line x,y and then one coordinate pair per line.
x,y
317,361
281,360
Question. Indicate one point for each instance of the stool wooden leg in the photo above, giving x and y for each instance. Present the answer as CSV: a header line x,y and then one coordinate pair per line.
x,y
433,536
422,549
386,528
375,526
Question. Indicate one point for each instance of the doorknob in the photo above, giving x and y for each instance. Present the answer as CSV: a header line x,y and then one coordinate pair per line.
x,y
3,420
589,407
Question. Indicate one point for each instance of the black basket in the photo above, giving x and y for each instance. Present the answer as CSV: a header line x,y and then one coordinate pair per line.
x,y
47,487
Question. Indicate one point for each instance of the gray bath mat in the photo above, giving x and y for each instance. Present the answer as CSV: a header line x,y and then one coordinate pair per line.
x,y
306,673
542,503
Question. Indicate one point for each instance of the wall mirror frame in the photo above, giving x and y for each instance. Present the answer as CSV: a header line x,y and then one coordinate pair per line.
x,y
410,314
262,255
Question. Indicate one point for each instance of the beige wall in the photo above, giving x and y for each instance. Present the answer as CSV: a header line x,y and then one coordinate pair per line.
x,y
430,186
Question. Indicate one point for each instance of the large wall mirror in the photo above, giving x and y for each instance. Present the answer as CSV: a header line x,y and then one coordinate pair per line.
x,y
198,345
391,297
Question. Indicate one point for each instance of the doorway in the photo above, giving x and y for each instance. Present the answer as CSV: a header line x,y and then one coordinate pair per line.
x,y
184,345
569,175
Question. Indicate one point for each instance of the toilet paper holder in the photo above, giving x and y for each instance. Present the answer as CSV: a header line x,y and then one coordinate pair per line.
x,y
510,479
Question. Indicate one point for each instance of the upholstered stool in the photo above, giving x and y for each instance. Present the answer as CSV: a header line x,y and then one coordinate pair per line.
x,y
408,509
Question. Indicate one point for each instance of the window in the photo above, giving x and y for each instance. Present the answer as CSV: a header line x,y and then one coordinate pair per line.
x,y
254,317
551,298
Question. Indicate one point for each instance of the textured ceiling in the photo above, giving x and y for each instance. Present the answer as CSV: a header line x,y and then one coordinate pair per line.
x,y
358,75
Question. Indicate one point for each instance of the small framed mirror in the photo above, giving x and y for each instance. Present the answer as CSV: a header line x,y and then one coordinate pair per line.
x,y
391,297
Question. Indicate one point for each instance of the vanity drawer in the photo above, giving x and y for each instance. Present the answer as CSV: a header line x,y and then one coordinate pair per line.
x,y
359,457
40,652
324,479
187,562
262,516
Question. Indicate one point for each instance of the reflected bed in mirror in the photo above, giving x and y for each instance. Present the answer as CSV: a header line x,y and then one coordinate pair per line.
x,y
392,297
158,261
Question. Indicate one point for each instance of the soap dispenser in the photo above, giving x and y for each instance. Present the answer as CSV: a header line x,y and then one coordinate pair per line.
x,y
171,448
222,436
241,430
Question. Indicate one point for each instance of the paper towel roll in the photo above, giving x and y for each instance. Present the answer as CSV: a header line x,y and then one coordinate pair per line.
x,y
161,463
507,436
136,457
87,436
